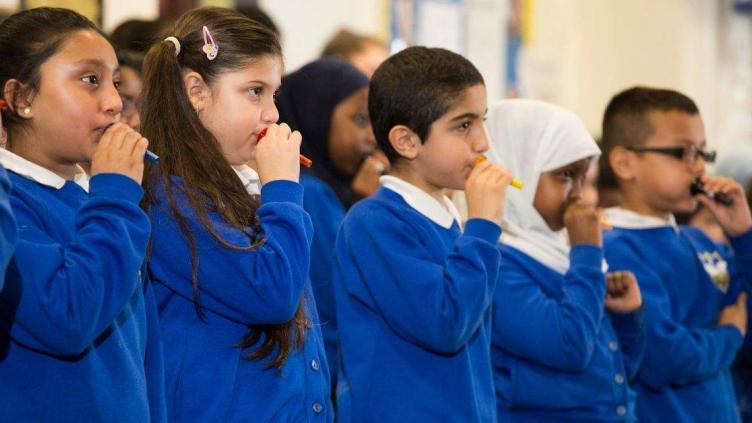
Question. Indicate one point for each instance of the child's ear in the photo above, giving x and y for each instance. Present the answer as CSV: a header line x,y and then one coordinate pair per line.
x,y
19,98
197,90
622,163
404,141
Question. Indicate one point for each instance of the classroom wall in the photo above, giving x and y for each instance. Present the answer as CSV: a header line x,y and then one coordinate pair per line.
x,y
581,52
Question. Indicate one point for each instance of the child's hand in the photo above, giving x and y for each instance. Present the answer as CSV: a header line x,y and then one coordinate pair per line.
x,y
277,154
366,180
583,223
735,314
120,150
623,294
484,191
735,219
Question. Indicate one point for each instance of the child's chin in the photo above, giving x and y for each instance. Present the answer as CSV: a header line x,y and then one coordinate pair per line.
x,y
687,206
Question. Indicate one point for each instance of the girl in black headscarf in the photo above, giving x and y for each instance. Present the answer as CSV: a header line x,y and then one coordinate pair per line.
x,y
327,101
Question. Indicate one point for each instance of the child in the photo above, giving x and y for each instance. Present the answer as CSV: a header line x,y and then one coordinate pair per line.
x,y
557,355
79,334
413,292
237,314
327,101
365,52
694,322
130,87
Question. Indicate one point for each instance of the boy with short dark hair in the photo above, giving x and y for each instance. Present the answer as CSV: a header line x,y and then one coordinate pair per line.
x,y
695,319
413,289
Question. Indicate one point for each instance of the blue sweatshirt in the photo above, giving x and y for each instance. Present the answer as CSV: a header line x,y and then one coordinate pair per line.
x,y
7,226
414,319
684,375
557,354
208,377
79,334
326,213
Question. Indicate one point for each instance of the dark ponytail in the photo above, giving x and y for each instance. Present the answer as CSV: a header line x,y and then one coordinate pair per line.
x,y
188,150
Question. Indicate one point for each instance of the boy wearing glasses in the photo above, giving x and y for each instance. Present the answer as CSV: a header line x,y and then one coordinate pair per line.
x,y
695,316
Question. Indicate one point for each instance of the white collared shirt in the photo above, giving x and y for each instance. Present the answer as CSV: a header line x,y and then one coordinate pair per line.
x,y
39,174
441,214
249,178
623,218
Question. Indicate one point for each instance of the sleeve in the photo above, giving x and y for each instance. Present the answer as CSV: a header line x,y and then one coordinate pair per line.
x,y
68,293
435,303
262,285
326,214
742,257
8,233
631,336
678,354
568,325
154,359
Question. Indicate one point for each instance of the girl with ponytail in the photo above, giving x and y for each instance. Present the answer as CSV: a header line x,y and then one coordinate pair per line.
x,y
230,245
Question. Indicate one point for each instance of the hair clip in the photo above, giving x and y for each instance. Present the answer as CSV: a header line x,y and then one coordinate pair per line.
x,y
176,42
210,47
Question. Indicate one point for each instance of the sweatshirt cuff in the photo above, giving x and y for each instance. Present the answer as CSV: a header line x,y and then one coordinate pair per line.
x,y
733,335
627,324
115,186
742,244
586,255
282,191
483,229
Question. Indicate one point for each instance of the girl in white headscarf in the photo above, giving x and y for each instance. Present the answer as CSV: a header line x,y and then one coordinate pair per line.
x,y
564,341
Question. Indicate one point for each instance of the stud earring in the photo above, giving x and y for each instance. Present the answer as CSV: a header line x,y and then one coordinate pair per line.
x,y
27,110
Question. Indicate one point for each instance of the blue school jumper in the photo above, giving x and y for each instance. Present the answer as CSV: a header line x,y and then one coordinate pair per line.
x,y
79,338
558,355
208,377
413,305
7,226
327,213
685,280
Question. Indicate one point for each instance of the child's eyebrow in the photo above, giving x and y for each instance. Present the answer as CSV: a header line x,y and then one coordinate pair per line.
x,y
702,142
96,63
465,116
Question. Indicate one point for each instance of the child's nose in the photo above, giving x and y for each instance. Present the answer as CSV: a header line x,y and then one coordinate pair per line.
x,y
577,190
112,104
481,143
270,114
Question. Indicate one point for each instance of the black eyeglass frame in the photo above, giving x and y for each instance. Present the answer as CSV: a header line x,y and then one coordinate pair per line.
x,y
688,154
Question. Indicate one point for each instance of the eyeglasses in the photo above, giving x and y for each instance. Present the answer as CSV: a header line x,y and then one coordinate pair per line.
x,y
688,154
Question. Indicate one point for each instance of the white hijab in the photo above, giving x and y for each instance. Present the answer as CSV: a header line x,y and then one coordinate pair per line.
x,y
531,137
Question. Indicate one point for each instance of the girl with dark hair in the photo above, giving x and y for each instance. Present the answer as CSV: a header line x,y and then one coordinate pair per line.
x,y
231,267
79,336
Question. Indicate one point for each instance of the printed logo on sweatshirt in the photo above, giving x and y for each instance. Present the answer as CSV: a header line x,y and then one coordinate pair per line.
x,y
717,268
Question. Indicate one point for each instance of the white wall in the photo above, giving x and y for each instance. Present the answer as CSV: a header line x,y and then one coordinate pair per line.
x,y
584,51
117,11
306,25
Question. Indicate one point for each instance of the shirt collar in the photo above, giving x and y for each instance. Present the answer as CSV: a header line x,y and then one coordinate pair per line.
x,y
443,215
39,174
623,218
249,178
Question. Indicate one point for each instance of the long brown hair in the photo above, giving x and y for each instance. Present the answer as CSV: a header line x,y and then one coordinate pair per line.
x,y
190,151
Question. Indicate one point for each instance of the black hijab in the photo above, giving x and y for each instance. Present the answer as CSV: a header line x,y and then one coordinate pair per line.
x,y
306,101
